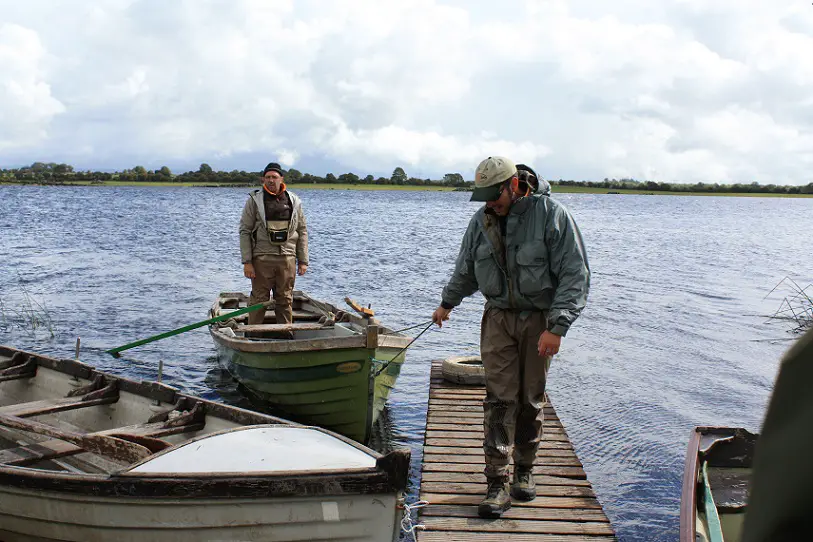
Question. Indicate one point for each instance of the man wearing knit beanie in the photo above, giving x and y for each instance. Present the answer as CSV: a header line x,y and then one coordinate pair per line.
x,y
273,245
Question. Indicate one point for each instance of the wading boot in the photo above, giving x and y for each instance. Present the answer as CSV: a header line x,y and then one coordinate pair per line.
x,y
523,488
497,499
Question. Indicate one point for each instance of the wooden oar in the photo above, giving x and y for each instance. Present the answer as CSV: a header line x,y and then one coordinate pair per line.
x,y
115,351
98,444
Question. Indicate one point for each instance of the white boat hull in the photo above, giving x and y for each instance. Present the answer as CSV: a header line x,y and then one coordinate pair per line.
x,y
27,515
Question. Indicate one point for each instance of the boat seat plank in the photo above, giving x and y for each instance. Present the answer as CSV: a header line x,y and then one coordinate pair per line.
x,y
51,406
20,366
301,315
730,488
55,448
282,327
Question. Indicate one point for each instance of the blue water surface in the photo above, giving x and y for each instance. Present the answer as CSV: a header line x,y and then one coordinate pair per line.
x,y
674,334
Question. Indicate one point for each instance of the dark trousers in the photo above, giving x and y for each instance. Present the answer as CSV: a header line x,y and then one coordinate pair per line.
x,y
274,274
515,388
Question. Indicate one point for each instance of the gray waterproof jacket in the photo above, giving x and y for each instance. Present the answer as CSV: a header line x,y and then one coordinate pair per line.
x,y
254,239
540,264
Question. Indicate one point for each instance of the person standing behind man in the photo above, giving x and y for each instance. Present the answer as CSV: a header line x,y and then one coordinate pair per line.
x,y
273,245
527,258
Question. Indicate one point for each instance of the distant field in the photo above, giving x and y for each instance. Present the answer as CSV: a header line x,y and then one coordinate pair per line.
x,y
556,189
589,190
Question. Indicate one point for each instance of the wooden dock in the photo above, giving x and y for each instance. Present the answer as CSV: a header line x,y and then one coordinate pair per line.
x,y
452,480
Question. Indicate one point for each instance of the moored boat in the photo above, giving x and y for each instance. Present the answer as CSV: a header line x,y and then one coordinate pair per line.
x,y
716,481
336,372
86,455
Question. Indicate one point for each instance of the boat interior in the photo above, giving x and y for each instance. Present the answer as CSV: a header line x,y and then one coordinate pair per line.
x,y
724,477
311,320
63,415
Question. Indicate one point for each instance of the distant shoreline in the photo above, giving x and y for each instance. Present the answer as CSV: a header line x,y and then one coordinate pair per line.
x,y
557,189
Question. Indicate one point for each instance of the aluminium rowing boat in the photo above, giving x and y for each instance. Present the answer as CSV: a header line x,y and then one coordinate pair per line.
x,y
716,482
86,455
336,372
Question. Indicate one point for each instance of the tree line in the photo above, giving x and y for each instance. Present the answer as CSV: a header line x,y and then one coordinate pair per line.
x,y
41,172
53,173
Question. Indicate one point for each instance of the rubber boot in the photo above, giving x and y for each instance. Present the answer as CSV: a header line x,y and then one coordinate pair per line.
x,y
523,488
497,499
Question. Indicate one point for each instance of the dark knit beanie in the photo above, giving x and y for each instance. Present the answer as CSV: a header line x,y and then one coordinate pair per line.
x,y
273,166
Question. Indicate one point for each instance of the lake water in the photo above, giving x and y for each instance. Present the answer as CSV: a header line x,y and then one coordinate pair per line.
x,y
674,334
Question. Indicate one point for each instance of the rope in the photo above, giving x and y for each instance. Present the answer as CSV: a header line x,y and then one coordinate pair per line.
x,y
413,327
406,522
381,370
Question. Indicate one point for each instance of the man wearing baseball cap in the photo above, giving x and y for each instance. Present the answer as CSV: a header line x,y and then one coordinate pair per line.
x,y
273,245
526,256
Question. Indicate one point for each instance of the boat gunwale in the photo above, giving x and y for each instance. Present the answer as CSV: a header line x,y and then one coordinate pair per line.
x,y
375,480
688,497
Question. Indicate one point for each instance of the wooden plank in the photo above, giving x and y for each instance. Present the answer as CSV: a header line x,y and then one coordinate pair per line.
x,y
553,470
559,437
471,417
551,428
281,327
542,453
536,514
272,318
447,536
571,461
480,478
99,444
474,443
480,489
54,449
539,502
472,410
51,406
462,391
478,525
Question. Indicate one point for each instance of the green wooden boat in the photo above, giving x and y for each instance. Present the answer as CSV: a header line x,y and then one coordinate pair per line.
x,y
336,372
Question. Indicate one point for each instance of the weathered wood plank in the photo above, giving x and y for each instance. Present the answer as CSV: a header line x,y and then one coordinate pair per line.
x,y
539,502
480,489
553,470
471,417
480,478
478,443
55,449
462,391
281,327
542,453
478,428
536,514
447,536
479,460
558,437
52,406
474,525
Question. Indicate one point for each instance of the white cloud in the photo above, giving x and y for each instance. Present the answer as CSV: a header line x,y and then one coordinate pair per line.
x,y
26,104
678,90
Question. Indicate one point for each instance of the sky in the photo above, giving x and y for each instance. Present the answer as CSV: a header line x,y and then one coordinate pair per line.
x,y
670,91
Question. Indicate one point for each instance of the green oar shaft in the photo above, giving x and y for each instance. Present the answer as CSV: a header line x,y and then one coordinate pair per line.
x,y
115,351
